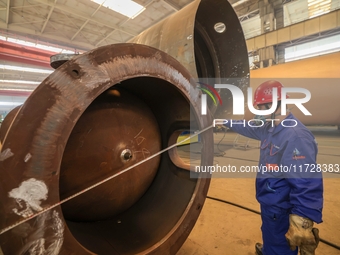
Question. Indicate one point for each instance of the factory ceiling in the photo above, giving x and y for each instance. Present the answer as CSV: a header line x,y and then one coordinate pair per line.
x,y
80,24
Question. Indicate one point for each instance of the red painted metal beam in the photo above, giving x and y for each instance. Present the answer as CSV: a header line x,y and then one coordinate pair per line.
x,y
15,93
23,60
25,54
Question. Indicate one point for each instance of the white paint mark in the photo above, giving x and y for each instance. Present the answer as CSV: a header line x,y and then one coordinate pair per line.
x,y
140,139
27,157
6,154
28,196
58,226
139,133
146,153
37,247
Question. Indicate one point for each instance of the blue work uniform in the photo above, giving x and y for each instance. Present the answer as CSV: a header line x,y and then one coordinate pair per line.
x,y
289,180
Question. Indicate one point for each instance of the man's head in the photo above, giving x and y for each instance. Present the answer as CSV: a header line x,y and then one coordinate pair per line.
x,y
263,97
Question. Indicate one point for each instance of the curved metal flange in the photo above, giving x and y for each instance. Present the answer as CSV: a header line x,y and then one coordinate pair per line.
x,y
33,150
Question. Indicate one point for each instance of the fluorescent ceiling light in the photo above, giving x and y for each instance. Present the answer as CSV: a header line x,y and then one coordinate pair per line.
x,y
11,103
311,49
10,89
125,7
36,45
19,82
26,69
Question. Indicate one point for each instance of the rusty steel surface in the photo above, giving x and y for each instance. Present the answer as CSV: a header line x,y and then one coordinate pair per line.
x,y
116,131
6,123
207,38
93,116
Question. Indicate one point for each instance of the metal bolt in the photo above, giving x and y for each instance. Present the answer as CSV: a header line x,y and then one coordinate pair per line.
x,y
126,155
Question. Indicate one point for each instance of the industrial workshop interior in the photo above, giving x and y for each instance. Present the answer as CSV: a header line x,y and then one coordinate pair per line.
x,y
163,127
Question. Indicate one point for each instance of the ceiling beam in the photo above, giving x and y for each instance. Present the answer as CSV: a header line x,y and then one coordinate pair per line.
x,y
48,17
107,36
84,16
28,22
7,12
26,6
122,24
57,39
85,23
171,5
246,8
75,25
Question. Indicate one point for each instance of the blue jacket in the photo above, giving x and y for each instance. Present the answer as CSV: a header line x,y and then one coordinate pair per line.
x,y
290,178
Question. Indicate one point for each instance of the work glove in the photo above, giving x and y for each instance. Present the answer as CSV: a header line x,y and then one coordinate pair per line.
x,y
301,233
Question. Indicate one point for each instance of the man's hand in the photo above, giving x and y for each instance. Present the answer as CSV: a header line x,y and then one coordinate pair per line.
x,y
301,233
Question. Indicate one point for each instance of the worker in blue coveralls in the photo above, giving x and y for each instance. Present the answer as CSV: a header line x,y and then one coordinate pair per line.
x,y
290,189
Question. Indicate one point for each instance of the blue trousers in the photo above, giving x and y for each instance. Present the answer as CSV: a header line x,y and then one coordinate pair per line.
x,y
275,224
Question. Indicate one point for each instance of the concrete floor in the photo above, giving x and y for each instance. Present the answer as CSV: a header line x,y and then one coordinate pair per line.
x,y
224,229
